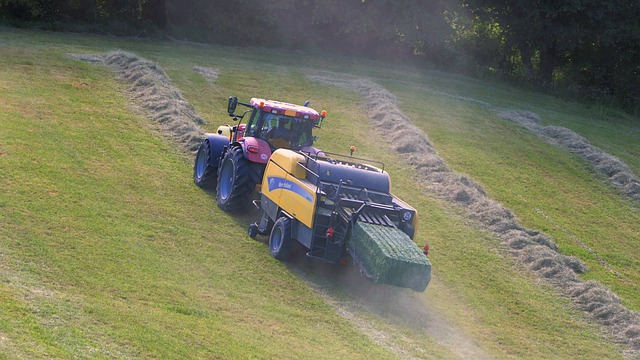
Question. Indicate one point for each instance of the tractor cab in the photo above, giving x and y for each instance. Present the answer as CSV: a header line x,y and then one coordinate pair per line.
x,y
282,131
281,125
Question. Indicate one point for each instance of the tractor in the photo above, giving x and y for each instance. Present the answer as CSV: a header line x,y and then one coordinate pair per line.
x,y
338,207
233,160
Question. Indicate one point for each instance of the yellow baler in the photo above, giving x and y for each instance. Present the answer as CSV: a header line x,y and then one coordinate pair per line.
x,y
338,207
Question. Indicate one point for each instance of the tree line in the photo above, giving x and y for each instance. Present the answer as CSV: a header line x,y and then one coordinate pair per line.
x,y
589,48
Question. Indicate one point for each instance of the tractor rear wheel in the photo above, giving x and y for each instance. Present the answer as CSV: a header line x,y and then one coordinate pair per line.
x,y
205,172
280,239
237,180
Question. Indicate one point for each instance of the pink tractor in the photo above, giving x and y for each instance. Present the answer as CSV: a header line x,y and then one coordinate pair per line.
x,y
233,161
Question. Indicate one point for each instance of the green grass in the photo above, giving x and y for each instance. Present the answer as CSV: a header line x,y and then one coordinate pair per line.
x,y
108,249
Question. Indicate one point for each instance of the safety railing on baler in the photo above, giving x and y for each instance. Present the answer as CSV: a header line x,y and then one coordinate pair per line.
x,y
343,205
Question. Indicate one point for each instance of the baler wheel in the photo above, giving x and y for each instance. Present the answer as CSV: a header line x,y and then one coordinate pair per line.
x,y
280,239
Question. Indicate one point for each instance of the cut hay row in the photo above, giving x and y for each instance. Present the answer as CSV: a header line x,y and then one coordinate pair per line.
x,y
618,173
210,74
152,90
536,250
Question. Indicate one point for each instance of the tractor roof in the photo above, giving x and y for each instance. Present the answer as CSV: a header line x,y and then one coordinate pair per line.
x,y
278,107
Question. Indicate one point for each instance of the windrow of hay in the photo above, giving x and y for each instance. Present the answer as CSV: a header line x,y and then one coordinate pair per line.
x,y
617,171
536,250
152,90
210,74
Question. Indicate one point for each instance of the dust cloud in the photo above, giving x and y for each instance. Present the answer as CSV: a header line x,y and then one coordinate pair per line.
x,y
397,307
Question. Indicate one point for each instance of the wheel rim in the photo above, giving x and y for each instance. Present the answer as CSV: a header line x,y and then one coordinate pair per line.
x,y
276,238
226,180
201,163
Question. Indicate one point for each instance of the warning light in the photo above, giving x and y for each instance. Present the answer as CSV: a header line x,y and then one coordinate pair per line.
x,y
330,233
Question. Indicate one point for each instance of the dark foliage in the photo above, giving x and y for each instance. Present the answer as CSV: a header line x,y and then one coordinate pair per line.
x,y
589,48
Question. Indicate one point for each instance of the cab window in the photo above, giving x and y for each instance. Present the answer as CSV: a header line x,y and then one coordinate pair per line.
x,y
252,123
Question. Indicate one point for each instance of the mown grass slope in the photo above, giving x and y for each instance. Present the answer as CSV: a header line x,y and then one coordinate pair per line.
x,y
109,250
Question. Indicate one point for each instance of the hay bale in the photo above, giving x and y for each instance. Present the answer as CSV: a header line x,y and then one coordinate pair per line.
x,y
388,256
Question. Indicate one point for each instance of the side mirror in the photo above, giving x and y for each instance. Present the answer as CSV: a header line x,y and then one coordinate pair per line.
x,y
233,103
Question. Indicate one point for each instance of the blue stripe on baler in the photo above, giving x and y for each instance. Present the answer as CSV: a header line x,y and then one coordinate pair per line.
x,y
275,183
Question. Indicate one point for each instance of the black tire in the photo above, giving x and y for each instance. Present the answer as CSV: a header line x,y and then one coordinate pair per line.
x,y
280,242
237,180
265,225
253,231
205,172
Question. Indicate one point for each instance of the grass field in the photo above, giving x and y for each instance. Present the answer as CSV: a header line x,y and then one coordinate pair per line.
x,y
107,249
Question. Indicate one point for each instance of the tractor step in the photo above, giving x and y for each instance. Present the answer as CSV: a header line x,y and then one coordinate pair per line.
x,y
329,234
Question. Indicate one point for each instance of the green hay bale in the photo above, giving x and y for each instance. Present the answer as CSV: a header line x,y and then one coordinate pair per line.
x,y
388,256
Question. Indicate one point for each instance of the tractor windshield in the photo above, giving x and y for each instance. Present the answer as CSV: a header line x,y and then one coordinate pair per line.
x,y
282,131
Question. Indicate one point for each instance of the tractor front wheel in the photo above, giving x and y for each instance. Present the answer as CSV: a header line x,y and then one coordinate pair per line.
x,y
237,180
280,239
205,172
